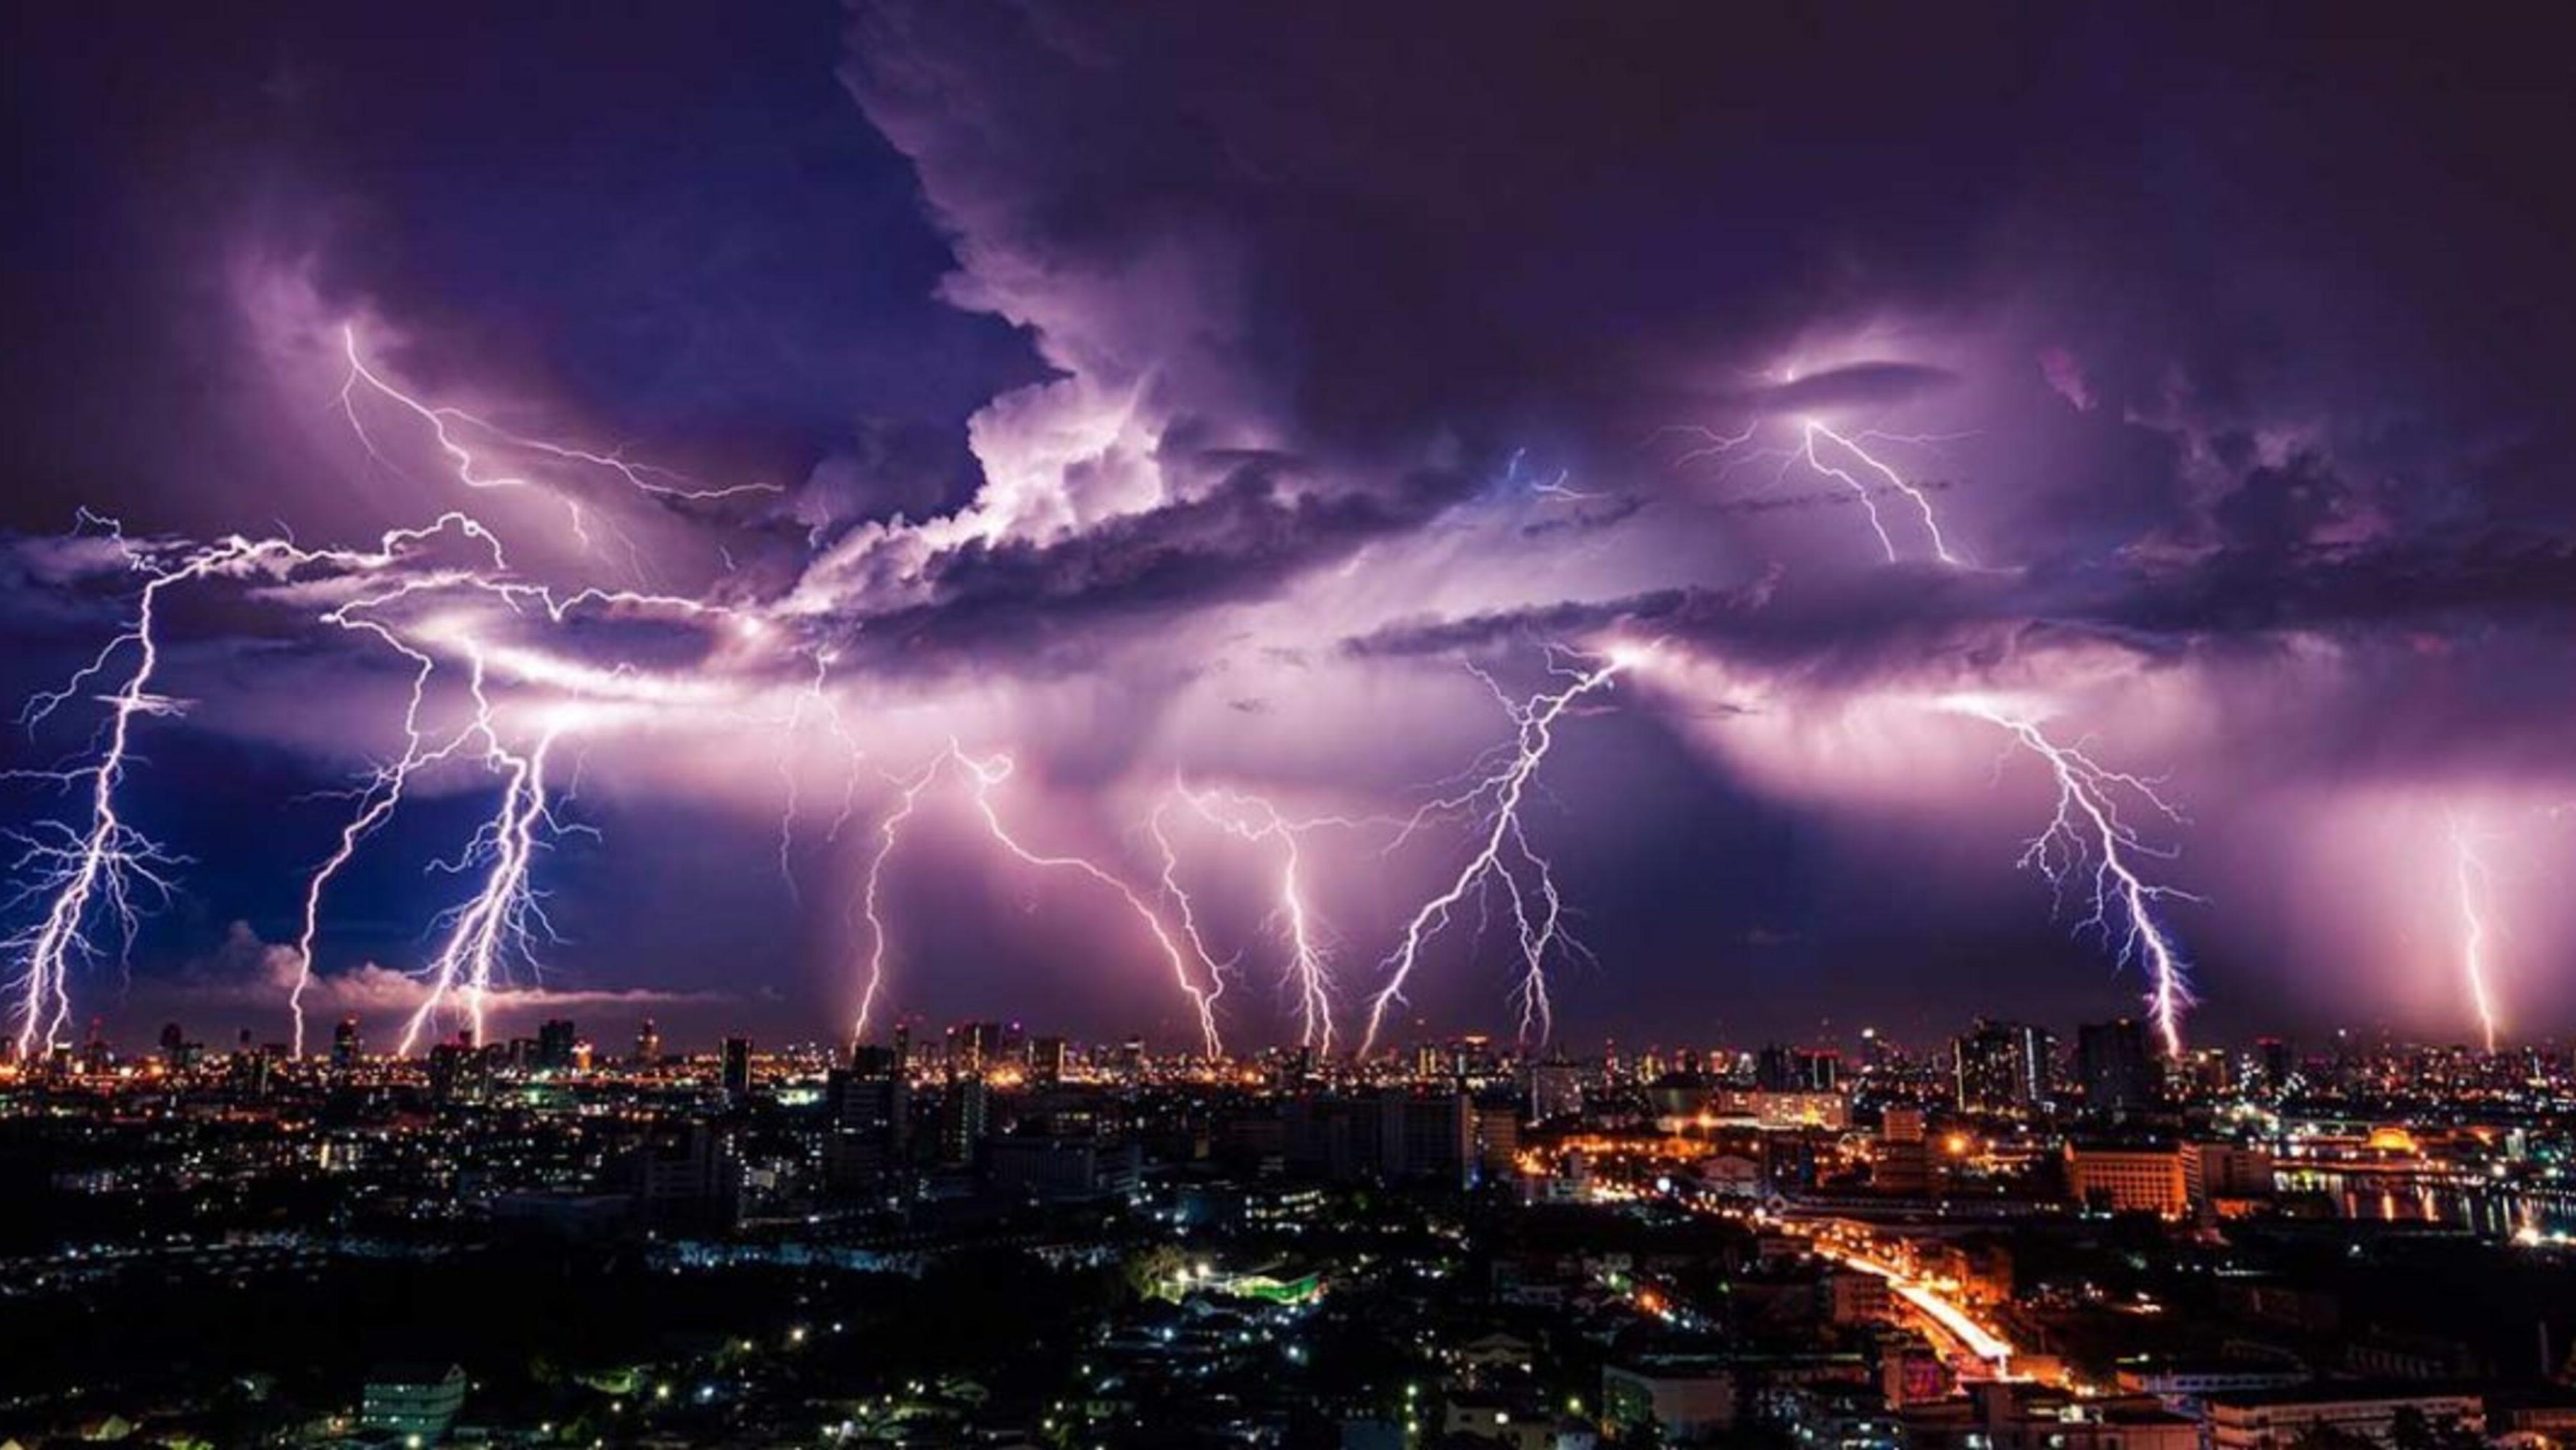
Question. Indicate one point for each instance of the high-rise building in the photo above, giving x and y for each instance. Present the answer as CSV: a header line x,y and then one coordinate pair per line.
x,y
1798,1069
555,1039
963,1111
1047,1060
1430,1136
648,1044
458,1072
1556,1090
1818,1069
346,1048
2004,1067
868,1107
974,1047
2117,1069
737,1068
695,1180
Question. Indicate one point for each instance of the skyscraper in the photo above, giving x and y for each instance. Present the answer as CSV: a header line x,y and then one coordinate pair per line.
x,y
868,1105
962,1114
1556,1090
555,1039
2004,1067
2117,1069
345,1046
974,1047
737,1068
648,1044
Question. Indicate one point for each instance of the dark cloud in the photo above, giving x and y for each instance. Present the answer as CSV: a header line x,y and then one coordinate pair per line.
x,y
1242,540
2218,343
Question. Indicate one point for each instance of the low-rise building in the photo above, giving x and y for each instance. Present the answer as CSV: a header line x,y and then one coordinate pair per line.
x,y
1686,1397
418,1402
2017,1415
2274,1418
2127,1179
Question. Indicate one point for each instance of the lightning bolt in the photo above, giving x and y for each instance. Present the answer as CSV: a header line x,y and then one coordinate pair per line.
x,y
90,873
2088,845
501,921
450,428
2474,884
817,700
889,834
95,870
1251,819
1833,454
982,777
1504,860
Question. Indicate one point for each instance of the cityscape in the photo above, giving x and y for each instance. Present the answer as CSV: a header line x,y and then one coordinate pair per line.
x,y
2012,1237
1138,725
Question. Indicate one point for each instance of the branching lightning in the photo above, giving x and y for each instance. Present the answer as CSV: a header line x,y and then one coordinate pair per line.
x,y
1833,454
2474,885
2088,847
452,428
89,874
1181,949
1254,820
501,921
1504,860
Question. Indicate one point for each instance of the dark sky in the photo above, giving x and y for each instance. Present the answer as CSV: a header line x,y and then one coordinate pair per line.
x,y
1201,408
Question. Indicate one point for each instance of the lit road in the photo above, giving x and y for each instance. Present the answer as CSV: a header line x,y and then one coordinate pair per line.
x,y
1979,1341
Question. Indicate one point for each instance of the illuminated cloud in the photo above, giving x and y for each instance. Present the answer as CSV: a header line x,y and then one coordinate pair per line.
x,y
1152,399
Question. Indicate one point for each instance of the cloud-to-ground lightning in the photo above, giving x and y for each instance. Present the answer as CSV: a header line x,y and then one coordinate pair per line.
x,y
93,870
500,922
889,835
2473,885
2089,845
982,776
1253,819
1504,860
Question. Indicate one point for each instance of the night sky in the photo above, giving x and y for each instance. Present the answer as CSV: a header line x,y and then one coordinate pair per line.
x,y
1210,406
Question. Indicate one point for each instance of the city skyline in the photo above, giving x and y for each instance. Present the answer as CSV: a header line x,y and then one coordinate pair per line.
x,y
1231,534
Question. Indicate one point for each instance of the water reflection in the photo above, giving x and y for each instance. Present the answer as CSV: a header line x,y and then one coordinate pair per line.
x,y
2497,1212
